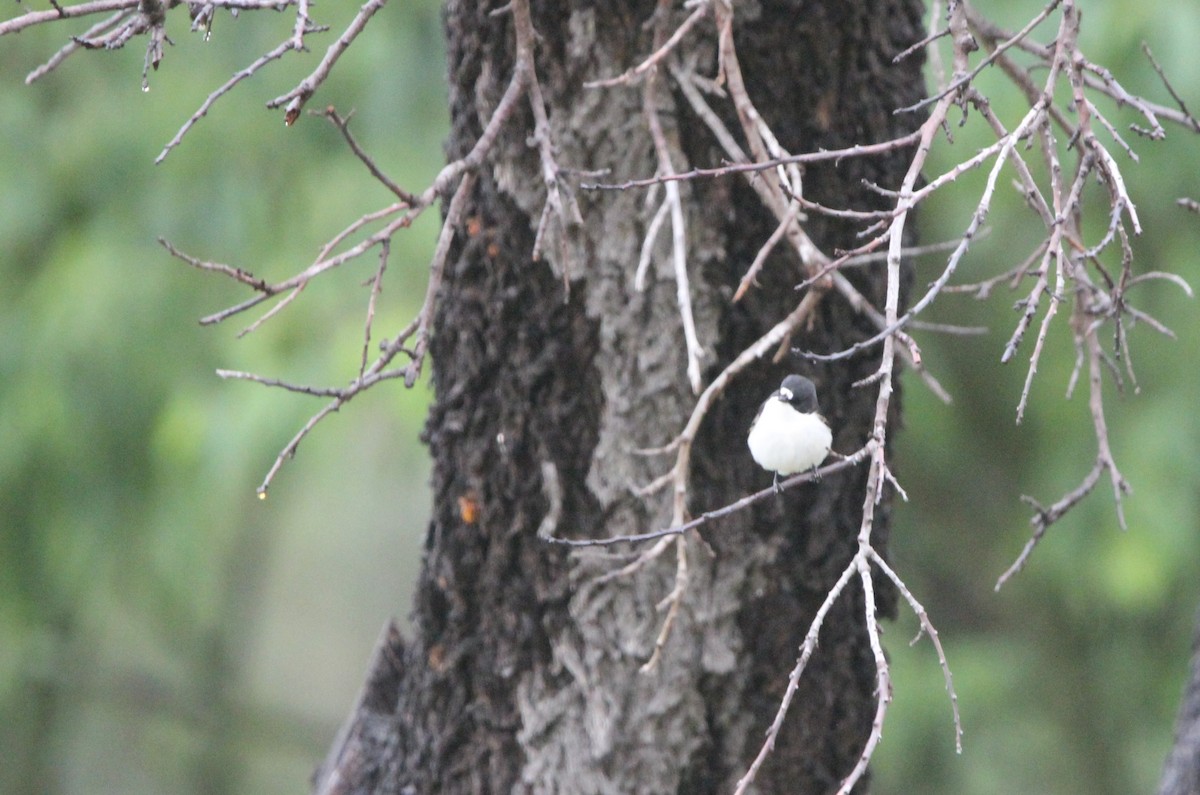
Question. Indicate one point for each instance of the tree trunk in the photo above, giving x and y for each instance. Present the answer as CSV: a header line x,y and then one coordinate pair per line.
x,y
522,674
1181,772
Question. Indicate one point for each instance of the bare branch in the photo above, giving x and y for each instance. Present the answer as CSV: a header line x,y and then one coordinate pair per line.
x,y
369,376
807,647
764,252
671,604
1002,151
632,75
970,76
820,156
929,630
385,249
298,96
454,215
221,91
1194,124
31,18
733,507
73,46
237,274
565,212
678,227
343,126
647,253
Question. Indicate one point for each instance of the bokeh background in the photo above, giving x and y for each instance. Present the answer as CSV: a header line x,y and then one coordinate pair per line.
x,y
163,630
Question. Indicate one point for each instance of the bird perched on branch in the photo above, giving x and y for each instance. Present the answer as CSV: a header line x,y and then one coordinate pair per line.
x,y
788,434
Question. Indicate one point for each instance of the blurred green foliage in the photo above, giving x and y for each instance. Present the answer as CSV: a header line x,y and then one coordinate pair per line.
x,y
1069,677
161,630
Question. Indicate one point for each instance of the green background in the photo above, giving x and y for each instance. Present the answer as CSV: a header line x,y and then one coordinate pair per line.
x,y
162,630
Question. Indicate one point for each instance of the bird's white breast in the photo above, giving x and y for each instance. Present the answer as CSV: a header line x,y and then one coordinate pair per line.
x,y
786,441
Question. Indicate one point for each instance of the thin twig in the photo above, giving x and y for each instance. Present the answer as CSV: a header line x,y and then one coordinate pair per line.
x,y
343,126
709,516
683,290
652,60
31,18
376,373
820,156
74,46
299,95
225,87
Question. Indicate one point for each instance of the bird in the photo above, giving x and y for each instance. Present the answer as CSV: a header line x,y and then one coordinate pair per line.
x,y
788,435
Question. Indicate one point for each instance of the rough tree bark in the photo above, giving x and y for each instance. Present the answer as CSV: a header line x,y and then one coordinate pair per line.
x,y
522,673
1181,770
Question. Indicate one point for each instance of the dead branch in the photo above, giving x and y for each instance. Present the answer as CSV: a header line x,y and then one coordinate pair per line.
x,y
221,91
377,372
656,57
709,516
298,96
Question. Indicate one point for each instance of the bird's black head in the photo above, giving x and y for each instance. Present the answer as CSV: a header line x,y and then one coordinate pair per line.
x,y
800,393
